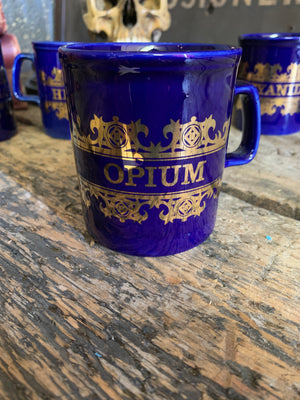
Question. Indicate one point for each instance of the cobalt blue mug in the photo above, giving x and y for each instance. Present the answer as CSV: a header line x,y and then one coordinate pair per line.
x,y
8,125
51,92
150,125
271,62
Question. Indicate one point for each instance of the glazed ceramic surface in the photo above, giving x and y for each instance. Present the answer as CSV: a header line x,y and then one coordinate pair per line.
x,y
8,126
150,125
51,98
271,62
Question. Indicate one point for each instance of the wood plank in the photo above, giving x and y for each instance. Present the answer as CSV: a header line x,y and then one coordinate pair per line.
x,y
220,321
44,166
272,179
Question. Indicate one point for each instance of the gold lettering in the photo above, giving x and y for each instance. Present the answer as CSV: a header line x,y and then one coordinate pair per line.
x,y
150,176
131,175
119,170
296,89
195,176
260,87
164,175
58,94
169,174
278,89
282,90
270,91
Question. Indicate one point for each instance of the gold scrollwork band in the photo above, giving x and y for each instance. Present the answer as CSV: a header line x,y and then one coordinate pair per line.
x,y
58,101
120,140
130,206
277,89
60,108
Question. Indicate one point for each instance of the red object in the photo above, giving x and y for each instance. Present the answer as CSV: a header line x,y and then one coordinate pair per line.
x,y
10,49
3,25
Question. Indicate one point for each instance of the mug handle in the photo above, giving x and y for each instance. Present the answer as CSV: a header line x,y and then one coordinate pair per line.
x,y
251,125
16,71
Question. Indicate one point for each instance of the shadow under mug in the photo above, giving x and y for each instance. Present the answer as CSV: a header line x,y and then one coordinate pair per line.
x,y
271,62
150,125
51,97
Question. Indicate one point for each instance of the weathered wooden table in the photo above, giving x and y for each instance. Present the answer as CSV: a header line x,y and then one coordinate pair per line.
x,y
79,321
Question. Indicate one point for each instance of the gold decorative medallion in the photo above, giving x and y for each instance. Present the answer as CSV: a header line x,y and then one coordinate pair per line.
x,y
134,206
277,89
57,102
130,141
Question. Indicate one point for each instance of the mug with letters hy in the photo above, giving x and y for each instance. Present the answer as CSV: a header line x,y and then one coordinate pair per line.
x,y
150,125
271,62
51,92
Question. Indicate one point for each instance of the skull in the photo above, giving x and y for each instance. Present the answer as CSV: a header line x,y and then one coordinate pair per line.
x,y
127,20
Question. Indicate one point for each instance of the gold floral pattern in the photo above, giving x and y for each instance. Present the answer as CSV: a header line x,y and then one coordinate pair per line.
x,y
55,79
135,206
120,140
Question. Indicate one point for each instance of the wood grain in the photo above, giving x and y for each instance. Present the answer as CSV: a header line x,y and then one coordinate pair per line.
x,y
81,322
272,179
44,166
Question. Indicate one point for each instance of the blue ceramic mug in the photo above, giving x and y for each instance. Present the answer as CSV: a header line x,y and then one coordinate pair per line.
x,y
271,62
8,125
150,125
51,97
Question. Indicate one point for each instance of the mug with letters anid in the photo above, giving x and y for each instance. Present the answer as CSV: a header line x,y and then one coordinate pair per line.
x,y
150,125
51,92
271,62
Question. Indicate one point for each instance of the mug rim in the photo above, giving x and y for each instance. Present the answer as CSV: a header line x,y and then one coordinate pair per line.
x,y
48,44
283,37
135,49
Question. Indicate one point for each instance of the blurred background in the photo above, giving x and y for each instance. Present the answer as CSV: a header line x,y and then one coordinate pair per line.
x,y
29,20
213,21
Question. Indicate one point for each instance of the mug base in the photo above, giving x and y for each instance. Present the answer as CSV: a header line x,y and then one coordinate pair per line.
x,y
134,241
54,127
58,135
152,249
7,134
270,132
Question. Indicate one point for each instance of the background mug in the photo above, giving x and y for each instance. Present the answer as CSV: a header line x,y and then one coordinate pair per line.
x,y
271,62
150,125
8,125
51,98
